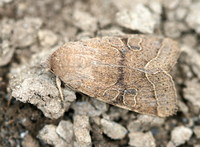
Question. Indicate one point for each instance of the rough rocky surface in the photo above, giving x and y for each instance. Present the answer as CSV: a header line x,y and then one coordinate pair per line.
x,y
139,139
82,131
113,130
50,136
36,85
133,20
180,135
31,110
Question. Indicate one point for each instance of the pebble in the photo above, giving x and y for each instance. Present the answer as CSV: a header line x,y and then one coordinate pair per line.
x,y
192,59
84,20
180,135
25,32
33,84
171,29
85,108
170,4
113,129
48,135
145,122
82,131
65,130
197,131
192,93
140,139
193,19
139,18
47,38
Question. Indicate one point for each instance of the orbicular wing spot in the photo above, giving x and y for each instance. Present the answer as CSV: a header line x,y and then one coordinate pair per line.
x,y
115,42
110,94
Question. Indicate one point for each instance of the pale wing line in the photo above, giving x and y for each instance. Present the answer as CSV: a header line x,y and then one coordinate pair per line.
x,y
113,65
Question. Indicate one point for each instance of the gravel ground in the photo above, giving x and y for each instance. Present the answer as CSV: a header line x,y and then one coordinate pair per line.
x,y
31,111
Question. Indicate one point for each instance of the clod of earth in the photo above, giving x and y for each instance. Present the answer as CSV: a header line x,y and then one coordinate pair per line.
x,y
129,71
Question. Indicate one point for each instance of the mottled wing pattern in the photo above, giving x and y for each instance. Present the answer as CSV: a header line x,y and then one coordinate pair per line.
x,y
129,71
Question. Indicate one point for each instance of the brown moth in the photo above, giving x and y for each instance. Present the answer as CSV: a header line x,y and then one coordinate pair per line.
x,y
129,71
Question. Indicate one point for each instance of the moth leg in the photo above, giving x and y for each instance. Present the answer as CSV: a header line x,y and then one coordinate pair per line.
x,y
58,84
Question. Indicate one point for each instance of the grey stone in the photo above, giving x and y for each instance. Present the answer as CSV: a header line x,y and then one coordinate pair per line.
x,y
139,18
34,84
145,122
139,139
84,21
47,38
193,19
65,131
82,131
113,129
171,29
197,131
25,32
192,59
180,135
192,93
48,135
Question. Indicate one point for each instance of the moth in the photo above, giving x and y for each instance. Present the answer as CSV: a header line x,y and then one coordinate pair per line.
x,y
128,71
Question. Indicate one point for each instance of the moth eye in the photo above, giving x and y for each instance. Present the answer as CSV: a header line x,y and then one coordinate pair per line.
x,y
134,43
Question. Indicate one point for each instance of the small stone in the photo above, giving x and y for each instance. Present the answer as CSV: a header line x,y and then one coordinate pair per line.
x,y
180,135
155,6
193,19
192,93
170,4
4,2
85,108
82,131
181,13
47,38
6,48
145,122
33,84
48,135
170,144
192,59
139,139
29,141
139,18
25,32
189,40
112,32
183,107
197,131
65,131
171,29
6,52
84,21
113,129
93,108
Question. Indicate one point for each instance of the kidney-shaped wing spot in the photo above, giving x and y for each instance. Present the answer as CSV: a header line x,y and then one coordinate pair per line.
x,y
134,43
129,97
